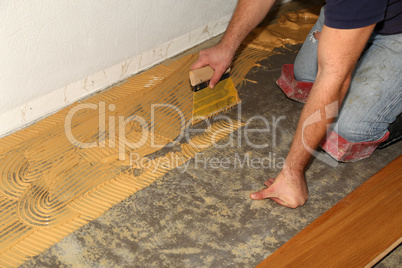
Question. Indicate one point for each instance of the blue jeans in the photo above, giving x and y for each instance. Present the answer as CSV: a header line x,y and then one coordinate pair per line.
x,y
374,98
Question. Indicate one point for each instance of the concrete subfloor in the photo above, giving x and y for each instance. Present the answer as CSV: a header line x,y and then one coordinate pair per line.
x,y
201,215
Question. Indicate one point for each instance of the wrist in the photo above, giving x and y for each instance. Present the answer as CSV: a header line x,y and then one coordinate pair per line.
x,y
228,47
293,168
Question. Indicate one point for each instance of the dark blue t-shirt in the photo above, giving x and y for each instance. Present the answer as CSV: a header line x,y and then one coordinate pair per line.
x,y
351,14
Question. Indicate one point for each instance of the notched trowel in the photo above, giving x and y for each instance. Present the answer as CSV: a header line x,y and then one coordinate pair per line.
x,y
209,102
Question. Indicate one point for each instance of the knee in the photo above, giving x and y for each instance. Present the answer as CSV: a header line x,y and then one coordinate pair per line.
x,y
355,130
352,140
306,65
350,131
305,68
340,147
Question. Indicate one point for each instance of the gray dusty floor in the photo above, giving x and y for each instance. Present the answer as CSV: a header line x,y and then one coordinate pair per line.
x,y
201,216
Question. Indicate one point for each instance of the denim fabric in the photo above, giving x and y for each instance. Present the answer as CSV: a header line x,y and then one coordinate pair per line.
x,y
306,64
374,98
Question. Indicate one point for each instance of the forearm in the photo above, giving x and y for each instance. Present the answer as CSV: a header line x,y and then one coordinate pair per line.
x,y
248,14
317,115
338,52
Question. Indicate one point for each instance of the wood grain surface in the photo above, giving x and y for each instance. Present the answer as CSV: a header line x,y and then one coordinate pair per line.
x,y
357,232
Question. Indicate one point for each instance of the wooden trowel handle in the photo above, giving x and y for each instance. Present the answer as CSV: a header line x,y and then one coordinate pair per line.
x,y
201,75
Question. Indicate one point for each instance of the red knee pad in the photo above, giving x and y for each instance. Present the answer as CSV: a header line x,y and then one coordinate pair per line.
x,y
335,145
346,151
293,89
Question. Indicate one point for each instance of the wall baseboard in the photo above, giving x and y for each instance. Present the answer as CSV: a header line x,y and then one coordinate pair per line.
x,y
19,117
27,114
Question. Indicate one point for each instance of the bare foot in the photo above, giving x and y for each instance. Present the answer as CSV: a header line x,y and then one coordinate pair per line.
x,y
286,190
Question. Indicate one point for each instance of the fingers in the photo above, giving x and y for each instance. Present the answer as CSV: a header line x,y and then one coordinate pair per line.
x,y
287,190
269,182
204,59
217,58
215,78
263,194
267,193
201,62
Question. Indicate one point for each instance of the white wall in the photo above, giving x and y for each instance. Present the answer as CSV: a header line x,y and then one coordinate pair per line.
x,y
53,53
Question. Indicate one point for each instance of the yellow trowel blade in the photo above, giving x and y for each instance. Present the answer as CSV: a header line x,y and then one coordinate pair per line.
x,y
209,102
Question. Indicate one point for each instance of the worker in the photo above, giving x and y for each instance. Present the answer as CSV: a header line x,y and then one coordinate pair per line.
x,y
363,84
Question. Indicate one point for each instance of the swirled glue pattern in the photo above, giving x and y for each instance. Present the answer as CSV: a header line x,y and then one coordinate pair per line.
x,y
51,186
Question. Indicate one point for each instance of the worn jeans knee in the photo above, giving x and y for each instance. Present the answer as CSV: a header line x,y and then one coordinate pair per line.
x,y
374,98
306,64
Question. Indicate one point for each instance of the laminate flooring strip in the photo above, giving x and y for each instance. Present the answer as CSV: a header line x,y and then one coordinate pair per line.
x,y
357,232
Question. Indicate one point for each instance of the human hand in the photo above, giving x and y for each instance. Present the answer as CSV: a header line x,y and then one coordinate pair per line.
x,y
286,189
218,58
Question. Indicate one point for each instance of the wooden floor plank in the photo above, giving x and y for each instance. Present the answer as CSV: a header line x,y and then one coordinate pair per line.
x,y
358,231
